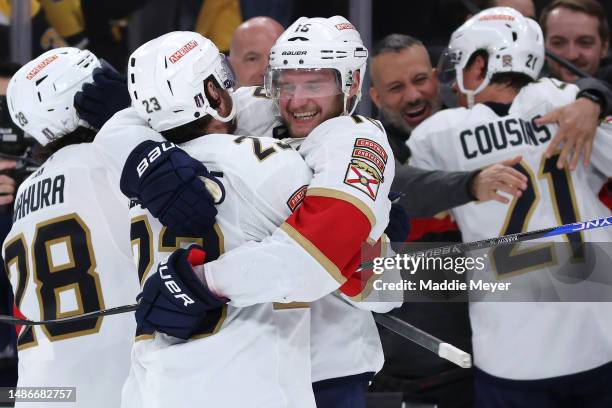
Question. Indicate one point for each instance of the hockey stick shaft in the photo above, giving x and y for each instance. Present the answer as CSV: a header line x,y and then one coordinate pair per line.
x,y
513,238
425,340
85,316
474,9
461,247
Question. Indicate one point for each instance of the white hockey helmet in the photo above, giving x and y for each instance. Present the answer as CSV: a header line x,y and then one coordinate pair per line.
x,y
319,43
40,95
514,44
166,79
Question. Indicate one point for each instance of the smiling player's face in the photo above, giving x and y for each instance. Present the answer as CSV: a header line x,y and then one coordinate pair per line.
x,y
307,98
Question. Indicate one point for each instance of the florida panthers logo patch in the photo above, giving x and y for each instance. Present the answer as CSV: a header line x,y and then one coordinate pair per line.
x,y
367,166
363,177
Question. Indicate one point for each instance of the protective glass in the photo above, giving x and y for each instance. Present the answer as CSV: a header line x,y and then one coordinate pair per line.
x,y
225,73
302,83
221,70
447,64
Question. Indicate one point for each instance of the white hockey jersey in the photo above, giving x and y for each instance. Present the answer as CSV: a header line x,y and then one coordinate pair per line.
x,y
317,249
264,347
512,339
68,253
256,115
344,339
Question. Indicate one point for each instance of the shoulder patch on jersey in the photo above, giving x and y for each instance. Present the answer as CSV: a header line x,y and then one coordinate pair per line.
x,y
363,177
296,198
371,145
367,166
370,157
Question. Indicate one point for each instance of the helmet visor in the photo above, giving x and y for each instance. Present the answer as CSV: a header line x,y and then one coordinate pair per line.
x,y
302,83
224,73
221,71
447,66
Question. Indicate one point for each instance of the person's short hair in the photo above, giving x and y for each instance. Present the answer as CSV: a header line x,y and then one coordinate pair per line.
x,y
79,135
395,43
514,80
590,7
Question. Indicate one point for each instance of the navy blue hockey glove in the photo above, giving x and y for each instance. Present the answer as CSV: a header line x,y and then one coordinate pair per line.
x,y
107,95
176,188
399,223
173,300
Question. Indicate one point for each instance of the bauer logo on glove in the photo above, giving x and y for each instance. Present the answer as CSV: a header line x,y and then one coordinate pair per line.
x,y
154,154
172,285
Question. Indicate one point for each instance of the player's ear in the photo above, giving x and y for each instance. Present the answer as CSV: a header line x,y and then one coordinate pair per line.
x,y
477,69
375,96
213,94
481,66
225,105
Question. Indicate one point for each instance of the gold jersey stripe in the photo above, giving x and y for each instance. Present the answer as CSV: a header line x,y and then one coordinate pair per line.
x,y
144,337
291,305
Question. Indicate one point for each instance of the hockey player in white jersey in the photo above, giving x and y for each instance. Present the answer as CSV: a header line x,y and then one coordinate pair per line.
x,y
345,345
264,347
339,373
68,251
527,354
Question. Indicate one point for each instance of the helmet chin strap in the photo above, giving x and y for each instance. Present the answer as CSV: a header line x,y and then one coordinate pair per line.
x,y
212,112
470,93
354,105
470,99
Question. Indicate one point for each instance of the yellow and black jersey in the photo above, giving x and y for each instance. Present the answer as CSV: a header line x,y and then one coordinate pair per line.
x,y
66,17
217,21
54,24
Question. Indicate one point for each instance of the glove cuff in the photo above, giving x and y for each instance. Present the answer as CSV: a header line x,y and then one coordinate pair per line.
x,y
188,262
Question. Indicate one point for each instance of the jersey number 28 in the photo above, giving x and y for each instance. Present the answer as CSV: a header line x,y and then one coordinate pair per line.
x,y
56,283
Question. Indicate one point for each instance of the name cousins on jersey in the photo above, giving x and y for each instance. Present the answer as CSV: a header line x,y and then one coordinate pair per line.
x,y
446,285
499,135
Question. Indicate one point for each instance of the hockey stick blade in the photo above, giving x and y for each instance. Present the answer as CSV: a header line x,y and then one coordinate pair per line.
x,y
85,316
513,238
406,330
